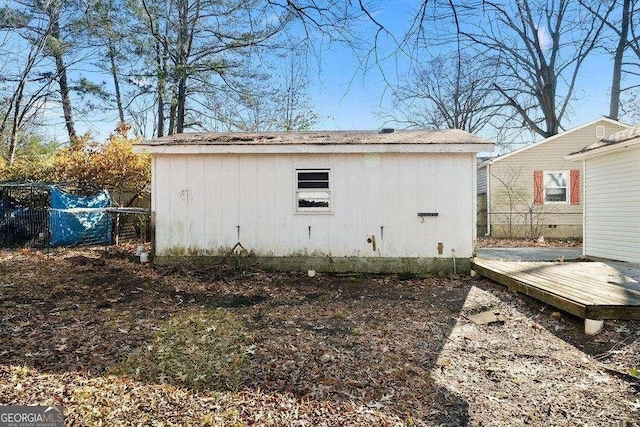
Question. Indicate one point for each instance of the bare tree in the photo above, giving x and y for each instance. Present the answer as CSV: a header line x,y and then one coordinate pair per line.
x,y
541,46
51,30
25,86
294,111
507,204
623,33
195,50
196,47
621,20
449,91
278,102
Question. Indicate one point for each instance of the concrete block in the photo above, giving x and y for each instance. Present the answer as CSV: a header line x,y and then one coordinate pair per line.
x,y
592,327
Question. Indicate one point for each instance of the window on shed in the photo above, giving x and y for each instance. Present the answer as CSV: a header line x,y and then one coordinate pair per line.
x,y
555,187
313,190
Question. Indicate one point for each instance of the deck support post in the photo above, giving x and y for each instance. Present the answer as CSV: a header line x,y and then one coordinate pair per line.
x,y
592,327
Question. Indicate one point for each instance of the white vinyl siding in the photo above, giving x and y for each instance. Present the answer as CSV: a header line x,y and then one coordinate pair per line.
x,y
612,206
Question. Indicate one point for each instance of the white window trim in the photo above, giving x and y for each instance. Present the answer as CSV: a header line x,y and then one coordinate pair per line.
x,y
544,188
312,211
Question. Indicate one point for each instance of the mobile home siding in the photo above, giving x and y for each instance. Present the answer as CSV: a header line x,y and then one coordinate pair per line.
x,y
205,204
481,203
517,171
612,206
482,180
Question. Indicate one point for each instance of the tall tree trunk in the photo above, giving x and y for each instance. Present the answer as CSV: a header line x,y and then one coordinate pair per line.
x,y
15,125
614,103
172,112
116,80
13,138
160,89
162,55
183,37
160,111
13,143
64,95
547,87
182,99
61,72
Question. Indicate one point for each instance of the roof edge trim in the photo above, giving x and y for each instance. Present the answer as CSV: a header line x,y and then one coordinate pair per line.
x,y
605,149
551,138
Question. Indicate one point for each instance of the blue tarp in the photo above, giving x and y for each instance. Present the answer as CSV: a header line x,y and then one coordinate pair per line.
x,y
75,220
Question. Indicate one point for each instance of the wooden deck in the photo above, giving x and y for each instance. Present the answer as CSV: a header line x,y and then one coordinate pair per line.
x,y
591,290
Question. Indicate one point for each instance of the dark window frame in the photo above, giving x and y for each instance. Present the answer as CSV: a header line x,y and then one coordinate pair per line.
x,y
313,190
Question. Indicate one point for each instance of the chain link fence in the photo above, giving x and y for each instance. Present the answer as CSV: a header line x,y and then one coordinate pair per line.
x,y
27,219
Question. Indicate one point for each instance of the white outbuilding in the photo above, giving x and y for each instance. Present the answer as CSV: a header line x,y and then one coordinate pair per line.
x,y
612,196
363,201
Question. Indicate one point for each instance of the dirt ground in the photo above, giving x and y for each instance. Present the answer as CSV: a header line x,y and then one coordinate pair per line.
x,y
77,327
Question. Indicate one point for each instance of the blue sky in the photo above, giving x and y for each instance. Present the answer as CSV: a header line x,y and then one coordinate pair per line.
x,y
345,98
348,102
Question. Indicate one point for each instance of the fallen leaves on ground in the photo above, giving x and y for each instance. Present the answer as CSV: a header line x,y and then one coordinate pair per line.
x,y
119,343
204,349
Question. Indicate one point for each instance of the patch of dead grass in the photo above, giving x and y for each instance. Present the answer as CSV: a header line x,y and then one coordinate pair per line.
x,y
204,349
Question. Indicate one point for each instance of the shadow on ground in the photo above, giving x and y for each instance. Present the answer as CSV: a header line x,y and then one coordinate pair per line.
x,y
616,345
371,341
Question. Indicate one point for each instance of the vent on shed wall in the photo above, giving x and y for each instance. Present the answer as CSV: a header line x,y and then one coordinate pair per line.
x,y
599,131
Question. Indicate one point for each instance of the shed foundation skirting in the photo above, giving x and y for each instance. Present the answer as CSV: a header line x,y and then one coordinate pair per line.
x,y
429,266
